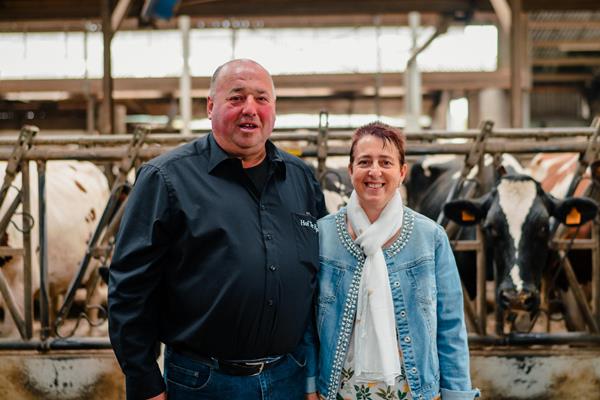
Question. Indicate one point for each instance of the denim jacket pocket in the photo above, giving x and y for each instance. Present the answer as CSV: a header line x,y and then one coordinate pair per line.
x,y
329,277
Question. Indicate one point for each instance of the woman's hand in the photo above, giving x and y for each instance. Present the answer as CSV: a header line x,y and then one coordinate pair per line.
x,y
312,396
162,396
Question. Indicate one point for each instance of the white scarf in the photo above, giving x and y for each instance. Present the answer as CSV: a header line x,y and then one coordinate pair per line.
x,y
376,356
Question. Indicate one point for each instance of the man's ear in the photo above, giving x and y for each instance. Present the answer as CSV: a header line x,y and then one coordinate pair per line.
x,y
574,211
467,212
209,106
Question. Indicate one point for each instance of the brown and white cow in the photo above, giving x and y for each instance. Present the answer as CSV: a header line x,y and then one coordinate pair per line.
x,y
76,193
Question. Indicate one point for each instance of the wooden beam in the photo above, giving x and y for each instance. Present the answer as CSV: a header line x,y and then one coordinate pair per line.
x,y
517,35
107,122
567,61
326,7
569,45
21,10
119,14
542,77
545,5
564,24
502,10
290,85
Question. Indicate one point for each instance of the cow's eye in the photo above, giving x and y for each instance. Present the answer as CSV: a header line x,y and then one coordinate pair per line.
x,y
491,230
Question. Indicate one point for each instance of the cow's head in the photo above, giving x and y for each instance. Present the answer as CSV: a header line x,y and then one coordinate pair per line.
x,y
515,220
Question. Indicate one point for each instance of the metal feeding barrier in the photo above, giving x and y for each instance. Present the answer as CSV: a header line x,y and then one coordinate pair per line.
x,y
128,151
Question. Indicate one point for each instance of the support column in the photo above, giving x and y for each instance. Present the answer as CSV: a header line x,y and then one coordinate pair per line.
x,y
520,76
107,114
440,114
412,79
185,82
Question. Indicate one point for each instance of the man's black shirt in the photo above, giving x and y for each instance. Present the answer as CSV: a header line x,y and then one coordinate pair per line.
x,y
204,264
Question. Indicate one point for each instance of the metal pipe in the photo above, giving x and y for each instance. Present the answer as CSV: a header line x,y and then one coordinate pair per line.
x,y
412,78
57,344
301,134
578,292
469,310
527,339
27,256
185,80
10,211
481,305
115,154
596,273
10,304
322,149
43,255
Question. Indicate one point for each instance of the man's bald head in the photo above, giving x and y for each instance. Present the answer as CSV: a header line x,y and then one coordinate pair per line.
x,y
233,63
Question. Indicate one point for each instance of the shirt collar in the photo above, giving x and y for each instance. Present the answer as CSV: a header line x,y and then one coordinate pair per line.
x,y
218,156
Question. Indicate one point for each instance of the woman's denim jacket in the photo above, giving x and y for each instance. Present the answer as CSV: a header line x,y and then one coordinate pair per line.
x,y
428,304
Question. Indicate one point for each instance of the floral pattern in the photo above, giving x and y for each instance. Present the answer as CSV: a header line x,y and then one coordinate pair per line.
x,y
352,390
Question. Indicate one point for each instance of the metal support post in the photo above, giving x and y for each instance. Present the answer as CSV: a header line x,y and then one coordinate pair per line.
x,y
43,256
322,147
185,82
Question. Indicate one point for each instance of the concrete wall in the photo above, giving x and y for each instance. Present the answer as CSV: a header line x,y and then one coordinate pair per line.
x,y
64,375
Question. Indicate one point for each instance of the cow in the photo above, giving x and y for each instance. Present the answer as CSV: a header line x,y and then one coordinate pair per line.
x,y
555,172
430,181
515,219
76,194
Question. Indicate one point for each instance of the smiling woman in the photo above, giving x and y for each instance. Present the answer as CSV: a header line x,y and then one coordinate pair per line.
x,y
390,313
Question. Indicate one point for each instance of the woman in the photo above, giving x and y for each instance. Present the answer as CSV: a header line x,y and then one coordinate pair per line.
x,y
390,311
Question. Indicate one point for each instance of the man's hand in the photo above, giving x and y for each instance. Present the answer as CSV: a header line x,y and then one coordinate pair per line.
x,y
163,396
312,396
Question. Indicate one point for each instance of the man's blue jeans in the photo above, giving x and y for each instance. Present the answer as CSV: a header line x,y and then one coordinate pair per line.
x,y
189,379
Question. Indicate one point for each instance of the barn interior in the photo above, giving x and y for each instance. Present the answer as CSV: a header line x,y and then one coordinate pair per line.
x,y
536,63
120,81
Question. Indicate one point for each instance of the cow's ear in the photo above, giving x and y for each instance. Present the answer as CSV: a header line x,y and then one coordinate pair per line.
x,y
466,212
575,211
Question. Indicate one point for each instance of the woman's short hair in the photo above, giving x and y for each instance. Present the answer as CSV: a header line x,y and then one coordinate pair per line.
x,y
387,133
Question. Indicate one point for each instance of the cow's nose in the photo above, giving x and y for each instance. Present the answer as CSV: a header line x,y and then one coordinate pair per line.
x,y
507,297
529,300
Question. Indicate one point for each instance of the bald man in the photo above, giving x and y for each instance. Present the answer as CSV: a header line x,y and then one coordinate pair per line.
x,y
216,257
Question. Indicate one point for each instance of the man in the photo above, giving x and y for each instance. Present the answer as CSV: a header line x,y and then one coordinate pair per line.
x,y
216,257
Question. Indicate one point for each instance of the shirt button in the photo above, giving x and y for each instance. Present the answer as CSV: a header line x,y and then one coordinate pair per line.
x,y
407,339
272,267
262,207
270,303
396,284
268,236
403,314
413,370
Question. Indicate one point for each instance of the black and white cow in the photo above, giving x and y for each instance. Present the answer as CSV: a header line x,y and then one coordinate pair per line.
x,y
431,179
515,217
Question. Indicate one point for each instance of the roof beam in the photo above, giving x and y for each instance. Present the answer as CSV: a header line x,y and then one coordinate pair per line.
x,y
119,13
287,85
564,24
566,62
502,10
569,45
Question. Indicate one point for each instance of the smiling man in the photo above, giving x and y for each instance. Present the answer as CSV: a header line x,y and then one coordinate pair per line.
x,y
216,257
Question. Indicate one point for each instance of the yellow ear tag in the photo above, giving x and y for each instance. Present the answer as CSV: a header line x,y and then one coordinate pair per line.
x,y
466,216
573,217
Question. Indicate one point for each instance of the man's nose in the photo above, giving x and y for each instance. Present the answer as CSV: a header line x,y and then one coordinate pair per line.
x,y
249,106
